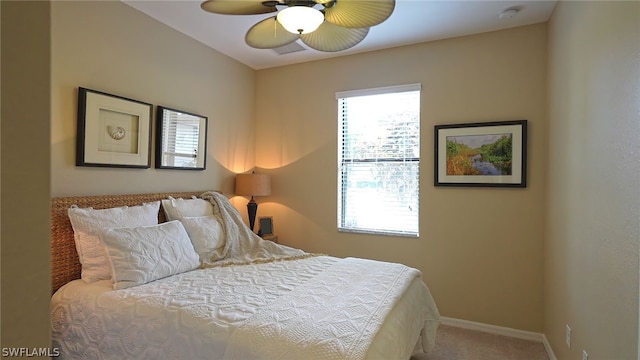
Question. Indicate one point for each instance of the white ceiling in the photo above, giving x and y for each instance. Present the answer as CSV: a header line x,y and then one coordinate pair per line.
x,y
413,21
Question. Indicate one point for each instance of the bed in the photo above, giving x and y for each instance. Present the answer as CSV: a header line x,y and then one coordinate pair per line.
x,y
205,298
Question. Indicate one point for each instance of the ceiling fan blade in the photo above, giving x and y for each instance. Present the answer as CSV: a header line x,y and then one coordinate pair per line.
x,y
269,34
237,7
359,13
330,37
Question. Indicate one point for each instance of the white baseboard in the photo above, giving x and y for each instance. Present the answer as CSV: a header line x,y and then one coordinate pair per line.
x,y
548,348
500,330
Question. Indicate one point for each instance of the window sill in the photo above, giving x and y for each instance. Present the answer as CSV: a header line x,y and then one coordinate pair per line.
x,y
382,233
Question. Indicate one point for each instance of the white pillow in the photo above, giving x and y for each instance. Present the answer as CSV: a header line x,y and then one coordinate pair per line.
x,y
206,234
87,223
176,209
146,253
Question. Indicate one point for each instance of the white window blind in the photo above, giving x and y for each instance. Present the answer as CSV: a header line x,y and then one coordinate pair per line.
x,y
180,139
379,160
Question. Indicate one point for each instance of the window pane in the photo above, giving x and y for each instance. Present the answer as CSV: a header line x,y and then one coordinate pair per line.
x,y
381,126
379,158
380,196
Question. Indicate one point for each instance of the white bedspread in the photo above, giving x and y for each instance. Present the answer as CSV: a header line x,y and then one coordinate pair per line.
x,y
333,316
219,313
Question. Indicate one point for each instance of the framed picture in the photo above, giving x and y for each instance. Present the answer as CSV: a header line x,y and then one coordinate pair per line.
x,y
181,140
113,131
492,154
266,226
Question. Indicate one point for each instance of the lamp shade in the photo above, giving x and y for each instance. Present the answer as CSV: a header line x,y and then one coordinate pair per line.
x,y
253,184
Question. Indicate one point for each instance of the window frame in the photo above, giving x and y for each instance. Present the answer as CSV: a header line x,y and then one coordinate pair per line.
x,y
342,163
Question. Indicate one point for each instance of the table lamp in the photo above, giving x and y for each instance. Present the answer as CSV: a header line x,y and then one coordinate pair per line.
x,y
253,185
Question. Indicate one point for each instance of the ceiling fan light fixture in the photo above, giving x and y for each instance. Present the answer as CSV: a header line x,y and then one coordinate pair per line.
x,y
300,19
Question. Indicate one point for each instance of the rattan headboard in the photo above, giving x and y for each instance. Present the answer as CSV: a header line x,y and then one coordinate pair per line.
x,y
65,265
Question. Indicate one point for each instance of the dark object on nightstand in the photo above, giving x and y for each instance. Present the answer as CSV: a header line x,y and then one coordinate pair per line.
x,y
266,225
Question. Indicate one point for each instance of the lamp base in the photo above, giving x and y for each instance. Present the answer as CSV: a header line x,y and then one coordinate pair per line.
x,y
252,209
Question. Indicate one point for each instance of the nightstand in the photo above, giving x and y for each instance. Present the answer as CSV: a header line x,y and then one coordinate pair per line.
x,y
273,238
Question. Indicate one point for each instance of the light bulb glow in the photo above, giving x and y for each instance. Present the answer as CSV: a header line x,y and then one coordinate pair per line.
x,y
300,19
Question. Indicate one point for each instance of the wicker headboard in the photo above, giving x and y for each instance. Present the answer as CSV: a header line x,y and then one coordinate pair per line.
x,y
65,265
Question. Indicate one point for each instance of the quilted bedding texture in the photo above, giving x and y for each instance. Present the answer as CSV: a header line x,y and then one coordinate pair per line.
x,y
223,312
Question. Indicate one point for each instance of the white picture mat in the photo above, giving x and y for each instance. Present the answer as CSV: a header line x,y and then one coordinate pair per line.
x,y
103,111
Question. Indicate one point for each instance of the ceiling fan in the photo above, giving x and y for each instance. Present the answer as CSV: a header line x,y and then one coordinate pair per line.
x,y
324,25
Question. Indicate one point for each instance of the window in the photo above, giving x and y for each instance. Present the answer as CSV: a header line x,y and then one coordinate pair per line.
x,y
379,160
180,139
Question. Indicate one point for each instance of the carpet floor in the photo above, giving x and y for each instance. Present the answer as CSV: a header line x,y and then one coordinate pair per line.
x,y
454,343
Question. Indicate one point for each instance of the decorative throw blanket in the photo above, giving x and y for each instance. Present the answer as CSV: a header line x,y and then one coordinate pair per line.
x,y
332,316
242,245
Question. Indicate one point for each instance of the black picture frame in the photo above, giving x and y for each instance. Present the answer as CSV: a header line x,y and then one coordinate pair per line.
x,y
489,154
113,131
265,227
181,140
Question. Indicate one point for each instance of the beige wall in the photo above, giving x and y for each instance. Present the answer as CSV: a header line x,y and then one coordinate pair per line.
x,y
480,249
47,52
593,213
111,47
25,174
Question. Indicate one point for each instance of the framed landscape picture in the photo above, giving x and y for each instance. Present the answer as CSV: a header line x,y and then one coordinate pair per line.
x,y
491,154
